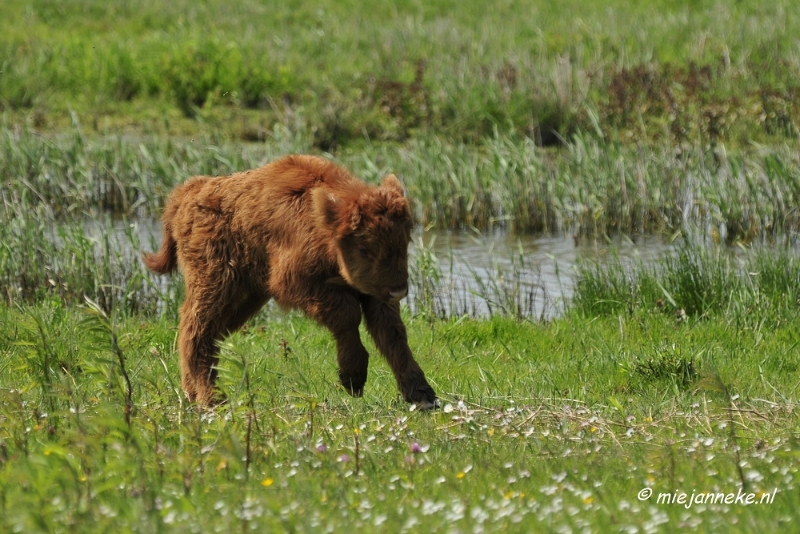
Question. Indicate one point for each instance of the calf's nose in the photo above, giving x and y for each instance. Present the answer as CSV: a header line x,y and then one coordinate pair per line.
x,y
398,292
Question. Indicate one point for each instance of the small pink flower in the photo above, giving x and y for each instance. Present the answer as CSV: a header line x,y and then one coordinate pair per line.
x,y
417,448
344,458
322,447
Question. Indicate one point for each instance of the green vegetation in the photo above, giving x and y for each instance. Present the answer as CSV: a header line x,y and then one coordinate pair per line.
x,y
681,374
586,120
539,422
343,72
696,280
588,188
663,114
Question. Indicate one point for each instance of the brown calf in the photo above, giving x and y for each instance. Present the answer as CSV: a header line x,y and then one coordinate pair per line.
x,y
303,231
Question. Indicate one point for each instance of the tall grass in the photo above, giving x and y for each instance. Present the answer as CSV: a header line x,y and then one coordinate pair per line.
x,y
696,280
61,195
75,175
595,189
588,189
44,257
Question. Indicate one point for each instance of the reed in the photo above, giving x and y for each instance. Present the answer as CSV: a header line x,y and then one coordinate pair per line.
x,y
43,257
695,280
73,206
588,189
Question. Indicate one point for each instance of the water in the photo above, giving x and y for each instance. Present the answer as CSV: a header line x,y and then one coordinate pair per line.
x,y
533,274
478,274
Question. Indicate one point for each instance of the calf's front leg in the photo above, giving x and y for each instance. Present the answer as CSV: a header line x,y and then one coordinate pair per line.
x,y
387,329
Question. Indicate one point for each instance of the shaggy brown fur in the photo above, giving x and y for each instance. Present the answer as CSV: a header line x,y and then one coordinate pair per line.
x,y
305,232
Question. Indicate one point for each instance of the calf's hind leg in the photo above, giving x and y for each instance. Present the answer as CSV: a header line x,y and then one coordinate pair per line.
x,y
203,323
197,345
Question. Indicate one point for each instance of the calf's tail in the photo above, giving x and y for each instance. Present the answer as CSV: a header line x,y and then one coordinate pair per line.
x,y
164,261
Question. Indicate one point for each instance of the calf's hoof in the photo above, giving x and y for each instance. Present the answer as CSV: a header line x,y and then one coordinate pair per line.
x,y
209,398
422,396
425,405
354,386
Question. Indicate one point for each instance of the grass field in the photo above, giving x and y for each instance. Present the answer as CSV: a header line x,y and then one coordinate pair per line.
x,y
342,73
664,397
678,378
553,427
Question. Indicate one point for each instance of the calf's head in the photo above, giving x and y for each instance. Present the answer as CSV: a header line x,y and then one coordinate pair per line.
x,y
371,230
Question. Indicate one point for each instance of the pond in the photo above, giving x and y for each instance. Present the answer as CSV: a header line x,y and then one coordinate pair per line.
x,y
528,275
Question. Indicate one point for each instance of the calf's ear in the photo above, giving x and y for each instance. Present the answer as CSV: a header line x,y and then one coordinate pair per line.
x,y
333,213
391,183
327,208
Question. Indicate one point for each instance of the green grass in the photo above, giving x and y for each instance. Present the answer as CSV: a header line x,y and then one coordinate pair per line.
x,y
695,279
537,426
538,420
343,72
662,115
